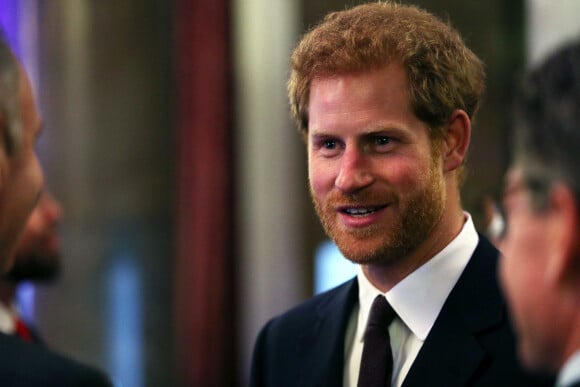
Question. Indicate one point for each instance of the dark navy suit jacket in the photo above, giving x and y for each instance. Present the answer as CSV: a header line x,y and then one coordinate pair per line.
x,y
470,344
24,364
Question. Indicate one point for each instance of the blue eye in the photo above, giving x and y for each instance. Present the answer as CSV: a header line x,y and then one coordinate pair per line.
x,y
382,140
329,144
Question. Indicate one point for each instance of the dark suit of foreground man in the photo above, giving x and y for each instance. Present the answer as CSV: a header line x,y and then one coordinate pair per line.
x,y
24,364
37,258
384,96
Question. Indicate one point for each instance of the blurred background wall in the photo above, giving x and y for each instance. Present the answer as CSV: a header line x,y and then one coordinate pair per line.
x,y
167,139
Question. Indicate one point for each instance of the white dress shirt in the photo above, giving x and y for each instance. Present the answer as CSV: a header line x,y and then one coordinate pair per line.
x,y
570,372
417,299
7,319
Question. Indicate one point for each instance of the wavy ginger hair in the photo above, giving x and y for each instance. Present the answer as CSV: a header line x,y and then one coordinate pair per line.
x,y
443,74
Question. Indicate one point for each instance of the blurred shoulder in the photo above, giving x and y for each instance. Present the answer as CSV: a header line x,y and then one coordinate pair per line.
x,y
25,364
331,301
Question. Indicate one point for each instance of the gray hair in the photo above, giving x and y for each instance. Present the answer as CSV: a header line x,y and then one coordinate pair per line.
x,y
547,127
10,117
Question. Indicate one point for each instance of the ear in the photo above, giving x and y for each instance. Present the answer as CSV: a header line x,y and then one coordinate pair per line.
x,y
563,263
456,142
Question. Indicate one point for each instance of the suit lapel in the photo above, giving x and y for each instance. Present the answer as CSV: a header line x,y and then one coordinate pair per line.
x,y
323,346
451,351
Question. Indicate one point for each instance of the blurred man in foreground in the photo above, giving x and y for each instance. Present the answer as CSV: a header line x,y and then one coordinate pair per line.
x,y
37,259
21,178
541,268
24,364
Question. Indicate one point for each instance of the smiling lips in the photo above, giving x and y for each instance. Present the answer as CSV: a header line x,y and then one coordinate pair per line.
x,y
360,212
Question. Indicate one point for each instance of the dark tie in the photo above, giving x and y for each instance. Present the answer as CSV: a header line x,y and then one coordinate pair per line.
x,y
376,365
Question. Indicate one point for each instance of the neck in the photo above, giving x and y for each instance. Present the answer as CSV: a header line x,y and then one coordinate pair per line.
x,y
7,292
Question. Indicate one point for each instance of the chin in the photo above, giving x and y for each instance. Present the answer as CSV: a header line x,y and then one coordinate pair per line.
x,y
6,264
533,358
367,252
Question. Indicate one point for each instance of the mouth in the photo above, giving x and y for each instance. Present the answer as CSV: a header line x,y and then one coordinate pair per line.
x,y
360,212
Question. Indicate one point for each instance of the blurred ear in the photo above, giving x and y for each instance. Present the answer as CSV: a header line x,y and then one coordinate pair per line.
x,y
563,264
457,138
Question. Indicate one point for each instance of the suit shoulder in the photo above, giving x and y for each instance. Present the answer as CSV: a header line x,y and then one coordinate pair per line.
x,y
316,305
280,345
26,364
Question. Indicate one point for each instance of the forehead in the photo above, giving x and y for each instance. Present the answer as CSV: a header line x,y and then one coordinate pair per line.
x,y
345,97
385,79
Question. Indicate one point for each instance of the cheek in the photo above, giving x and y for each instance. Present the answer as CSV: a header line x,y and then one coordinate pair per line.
x,y
321,177
513,248
509,276
34,226
30,184
406,171
516,287
34,176
521,271
27,171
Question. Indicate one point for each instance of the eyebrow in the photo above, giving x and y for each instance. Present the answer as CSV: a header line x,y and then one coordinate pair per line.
x,y
367,131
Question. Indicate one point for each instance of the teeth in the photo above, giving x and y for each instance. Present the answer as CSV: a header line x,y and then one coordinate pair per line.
x,y
360,211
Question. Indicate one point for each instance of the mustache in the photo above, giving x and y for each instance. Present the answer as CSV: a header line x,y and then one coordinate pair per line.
x,y
339,199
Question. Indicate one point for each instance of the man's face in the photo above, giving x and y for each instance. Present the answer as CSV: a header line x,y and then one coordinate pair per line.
x,y
375,183
526,247
37,255
21,177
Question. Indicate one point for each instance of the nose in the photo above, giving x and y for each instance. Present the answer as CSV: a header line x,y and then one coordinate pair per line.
x,y
354,171
51,207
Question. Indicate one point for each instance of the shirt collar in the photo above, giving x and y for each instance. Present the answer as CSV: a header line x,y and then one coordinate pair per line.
x,y
419,297
7,318
570,372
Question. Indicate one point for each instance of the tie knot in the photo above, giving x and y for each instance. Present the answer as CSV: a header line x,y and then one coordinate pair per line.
x,y
381,315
